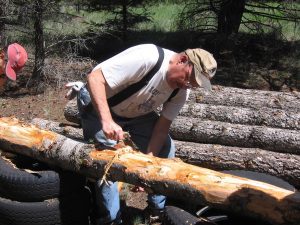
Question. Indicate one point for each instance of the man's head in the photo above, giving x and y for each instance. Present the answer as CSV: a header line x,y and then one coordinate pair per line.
x,y
16,59
191,68
205,66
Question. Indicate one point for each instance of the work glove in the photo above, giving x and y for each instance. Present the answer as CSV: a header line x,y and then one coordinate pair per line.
x,y
74,89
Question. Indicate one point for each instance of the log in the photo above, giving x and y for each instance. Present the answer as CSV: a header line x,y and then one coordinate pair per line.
x,y
217,157
269,117
57,127
248,98
71,112
215,132
263,116
165,176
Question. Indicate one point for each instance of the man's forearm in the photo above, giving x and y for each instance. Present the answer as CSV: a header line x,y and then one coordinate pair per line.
x,y
159,136
96,86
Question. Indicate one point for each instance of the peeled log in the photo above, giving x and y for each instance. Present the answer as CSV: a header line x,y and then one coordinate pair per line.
x,y
263,116
256,99
269,117
218,157
214,132
165,176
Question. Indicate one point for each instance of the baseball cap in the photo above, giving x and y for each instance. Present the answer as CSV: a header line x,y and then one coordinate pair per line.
x,y
16,59
205,66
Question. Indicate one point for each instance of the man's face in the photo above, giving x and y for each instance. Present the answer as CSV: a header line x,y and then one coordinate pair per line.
x,y
181,74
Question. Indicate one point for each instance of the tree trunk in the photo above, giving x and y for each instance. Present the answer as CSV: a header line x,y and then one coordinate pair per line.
x,y
230,16
215,132
165,176
38,72
248,98
218,157
2,22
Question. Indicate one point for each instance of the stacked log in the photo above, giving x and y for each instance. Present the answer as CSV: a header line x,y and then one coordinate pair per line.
x,y
232,128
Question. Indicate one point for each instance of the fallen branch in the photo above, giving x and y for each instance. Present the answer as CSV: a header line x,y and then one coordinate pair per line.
x,y
165,176
214,132
218,157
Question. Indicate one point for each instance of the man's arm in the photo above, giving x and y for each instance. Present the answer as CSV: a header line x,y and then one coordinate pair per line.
x,y
96,85
159,135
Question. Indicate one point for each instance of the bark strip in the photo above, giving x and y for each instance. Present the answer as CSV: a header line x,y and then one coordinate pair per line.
x,y
215,132
165,176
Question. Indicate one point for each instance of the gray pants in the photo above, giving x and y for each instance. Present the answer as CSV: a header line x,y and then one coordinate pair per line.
x,y
140,130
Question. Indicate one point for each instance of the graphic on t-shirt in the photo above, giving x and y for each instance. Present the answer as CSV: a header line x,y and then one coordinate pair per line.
x,y
148,105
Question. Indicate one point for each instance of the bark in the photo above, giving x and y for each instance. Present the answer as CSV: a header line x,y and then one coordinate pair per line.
x,y
217,157
165,176
215,132
248,98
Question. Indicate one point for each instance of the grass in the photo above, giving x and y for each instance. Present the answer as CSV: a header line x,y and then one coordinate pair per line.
x,y
163,19
288,30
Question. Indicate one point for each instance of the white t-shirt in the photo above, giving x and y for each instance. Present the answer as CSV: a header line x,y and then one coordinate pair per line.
x,y
132,65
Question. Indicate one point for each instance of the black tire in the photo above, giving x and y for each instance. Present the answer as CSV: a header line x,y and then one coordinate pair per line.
x,y
19,185
71,210
177,216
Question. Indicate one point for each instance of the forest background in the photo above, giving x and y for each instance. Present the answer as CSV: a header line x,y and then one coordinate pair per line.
x,y
256,43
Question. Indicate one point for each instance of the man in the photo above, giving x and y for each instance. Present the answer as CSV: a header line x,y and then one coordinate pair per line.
x,y
16,59
135,114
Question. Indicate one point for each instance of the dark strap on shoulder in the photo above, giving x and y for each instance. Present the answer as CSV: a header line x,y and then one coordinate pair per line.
x,y
173,94
130,90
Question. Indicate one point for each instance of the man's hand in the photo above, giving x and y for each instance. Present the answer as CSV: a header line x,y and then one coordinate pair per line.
x,y
112,131
74,89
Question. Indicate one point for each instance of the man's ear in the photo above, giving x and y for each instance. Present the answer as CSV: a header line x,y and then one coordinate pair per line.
x,y
183,58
